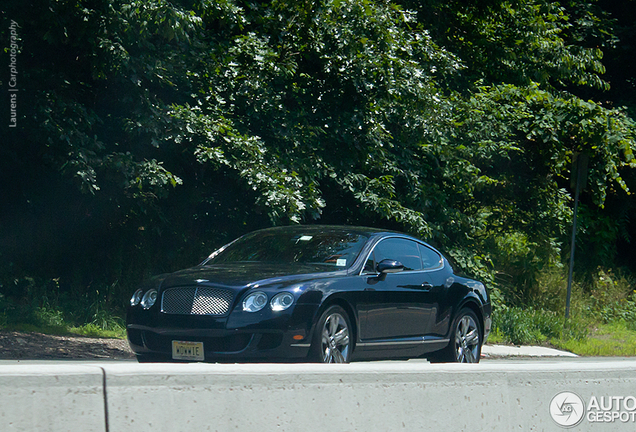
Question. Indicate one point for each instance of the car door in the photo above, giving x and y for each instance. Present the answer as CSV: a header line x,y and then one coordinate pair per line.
x,y
400,306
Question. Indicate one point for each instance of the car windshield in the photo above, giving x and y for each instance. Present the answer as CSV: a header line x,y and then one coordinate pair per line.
x,y
337,249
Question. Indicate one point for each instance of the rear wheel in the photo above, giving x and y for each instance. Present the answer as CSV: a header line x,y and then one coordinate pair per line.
x,y
465,343
332,337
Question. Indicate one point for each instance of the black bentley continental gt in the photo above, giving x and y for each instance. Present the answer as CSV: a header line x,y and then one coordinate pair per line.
x,y
329,294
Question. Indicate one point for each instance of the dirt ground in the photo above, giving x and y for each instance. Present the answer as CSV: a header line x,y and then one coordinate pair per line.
x,y
38,346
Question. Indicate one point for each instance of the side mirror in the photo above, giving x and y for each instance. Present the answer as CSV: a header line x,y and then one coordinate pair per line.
x,y
389,266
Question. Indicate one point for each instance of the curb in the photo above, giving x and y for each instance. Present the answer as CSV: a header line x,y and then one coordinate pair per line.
x,y
493,351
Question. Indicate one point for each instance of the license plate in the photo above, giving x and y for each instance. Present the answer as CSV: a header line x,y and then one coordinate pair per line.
x,y
184,350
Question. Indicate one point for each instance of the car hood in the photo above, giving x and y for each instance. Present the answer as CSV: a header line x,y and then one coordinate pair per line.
x,y
240,275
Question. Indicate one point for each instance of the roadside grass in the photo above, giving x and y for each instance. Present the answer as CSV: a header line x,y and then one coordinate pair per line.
x,y
529,326
614,339
92,330
88,330
56,315
602,318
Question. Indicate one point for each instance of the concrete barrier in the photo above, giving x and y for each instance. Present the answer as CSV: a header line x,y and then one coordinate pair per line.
x,y
52,398
387,396
358,397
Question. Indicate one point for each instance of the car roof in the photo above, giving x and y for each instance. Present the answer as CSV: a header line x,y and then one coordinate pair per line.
x,y
368,231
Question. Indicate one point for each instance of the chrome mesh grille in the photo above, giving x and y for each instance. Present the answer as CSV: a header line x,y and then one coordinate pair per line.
x,y
196,301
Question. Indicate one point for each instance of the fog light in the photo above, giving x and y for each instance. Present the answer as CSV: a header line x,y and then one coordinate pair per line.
x,y
149,299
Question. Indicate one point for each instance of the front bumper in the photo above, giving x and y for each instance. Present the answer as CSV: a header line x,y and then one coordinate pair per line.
x,y
236,337
220,346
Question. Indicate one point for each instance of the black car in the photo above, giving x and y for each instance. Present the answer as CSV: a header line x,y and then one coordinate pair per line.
x,y
328,294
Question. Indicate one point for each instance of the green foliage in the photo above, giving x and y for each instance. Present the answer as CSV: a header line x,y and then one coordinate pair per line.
x,y
531,327
154,131
613,299
523,41
602,322
95,330
607,340
524,141
43,307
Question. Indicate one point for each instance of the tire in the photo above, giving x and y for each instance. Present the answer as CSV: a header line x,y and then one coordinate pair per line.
x,y
465,343
331,341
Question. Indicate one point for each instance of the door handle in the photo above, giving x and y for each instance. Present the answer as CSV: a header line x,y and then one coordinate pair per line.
x,y
426,286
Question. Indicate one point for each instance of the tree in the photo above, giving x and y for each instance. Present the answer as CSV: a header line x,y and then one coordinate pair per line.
x,y
151,131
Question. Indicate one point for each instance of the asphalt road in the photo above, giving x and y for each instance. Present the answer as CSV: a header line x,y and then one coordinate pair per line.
x,y
501,354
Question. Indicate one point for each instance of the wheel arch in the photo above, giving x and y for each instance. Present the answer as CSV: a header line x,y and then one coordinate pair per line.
x,y
344,304
473,305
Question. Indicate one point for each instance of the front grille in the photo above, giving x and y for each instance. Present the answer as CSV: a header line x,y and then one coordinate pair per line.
x,y
196,301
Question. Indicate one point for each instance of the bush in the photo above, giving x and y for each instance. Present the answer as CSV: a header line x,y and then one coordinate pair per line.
x,y
613,299
520,326
40,305
610,301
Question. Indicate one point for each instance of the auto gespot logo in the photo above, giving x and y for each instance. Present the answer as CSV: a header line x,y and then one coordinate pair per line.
x,y
568,409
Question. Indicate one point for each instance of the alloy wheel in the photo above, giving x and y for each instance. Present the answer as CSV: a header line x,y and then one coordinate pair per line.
x,y
467,340
335,339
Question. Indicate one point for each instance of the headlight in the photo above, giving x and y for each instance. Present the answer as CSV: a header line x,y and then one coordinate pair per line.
x,y
136,298
149,299
254,302
282,301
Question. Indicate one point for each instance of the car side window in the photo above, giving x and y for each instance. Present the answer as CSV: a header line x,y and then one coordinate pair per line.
x,y
402,250
430,258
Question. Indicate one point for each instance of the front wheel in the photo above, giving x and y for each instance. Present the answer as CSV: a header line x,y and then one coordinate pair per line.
x,y
465,343
331,342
